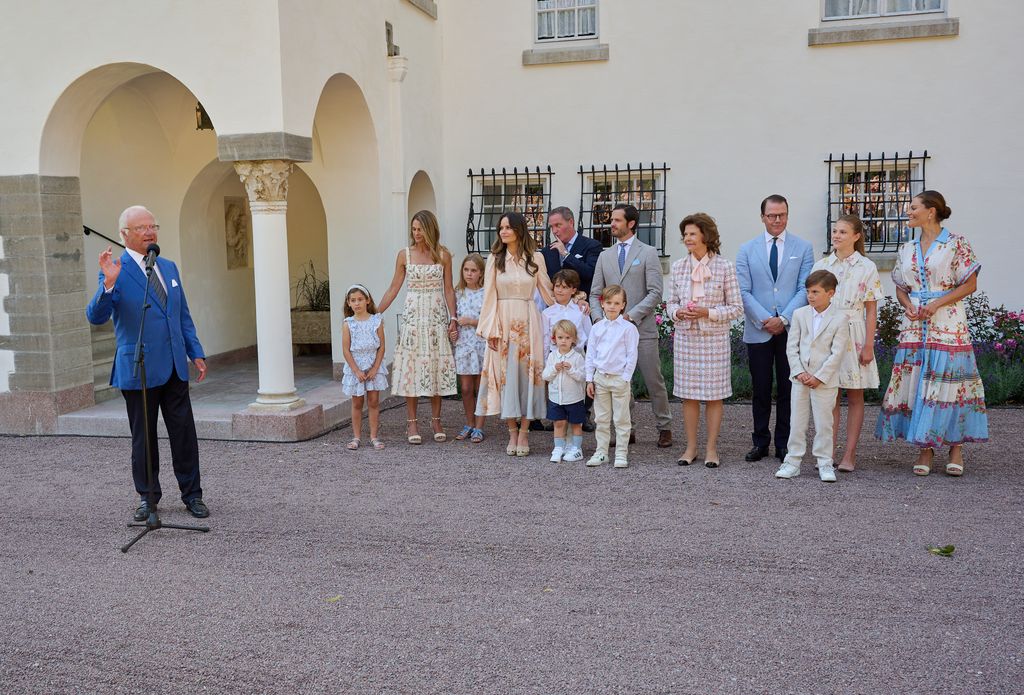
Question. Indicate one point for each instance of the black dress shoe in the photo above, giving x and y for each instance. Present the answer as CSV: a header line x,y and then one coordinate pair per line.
x,y
142,511
757,453
780,454
541,426
197,508
589,426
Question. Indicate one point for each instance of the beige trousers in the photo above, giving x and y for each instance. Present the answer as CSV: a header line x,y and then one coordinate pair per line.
x,y
611,404
805,403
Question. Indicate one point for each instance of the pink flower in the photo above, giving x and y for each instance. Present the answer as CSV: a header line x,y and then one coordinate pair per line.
x,y
1011,343
998,347
690,306
658,319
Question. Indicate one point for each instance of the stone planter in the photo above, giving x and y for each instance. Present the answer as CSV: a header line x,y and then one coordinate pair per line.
x,y
311,327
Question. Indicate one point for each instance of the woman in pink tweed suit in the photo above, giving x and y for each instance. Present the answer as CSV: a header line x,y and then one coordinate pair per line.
x,y
703,302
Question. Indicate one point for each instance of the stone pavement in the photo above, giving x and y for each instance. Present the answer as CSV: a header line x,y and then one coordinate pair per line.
x,y
451,568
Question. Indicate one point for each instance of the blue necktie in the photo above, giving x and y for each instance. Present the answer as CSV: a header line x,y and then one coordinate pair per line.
x,y
773,259
622,257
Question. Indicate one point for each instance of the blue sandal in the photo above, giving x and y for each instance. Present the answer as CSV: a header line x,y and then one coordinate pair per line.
x,y
466,431
476,435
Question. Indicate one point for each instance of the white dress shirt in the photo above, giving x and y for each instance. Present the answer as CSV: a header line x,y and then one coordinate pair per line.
x,y
565,387
781,244
816,321
140,260
628,242
613,348
572,313
568,246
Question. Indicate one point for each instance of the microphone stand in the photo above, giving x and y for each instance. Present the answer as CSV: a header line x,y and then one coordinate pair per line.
x,y
153,522
89,230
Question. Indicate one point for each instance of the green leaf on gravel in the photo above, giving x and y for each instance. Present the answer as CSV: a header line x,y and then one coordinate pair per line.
x,y
942,551
334,599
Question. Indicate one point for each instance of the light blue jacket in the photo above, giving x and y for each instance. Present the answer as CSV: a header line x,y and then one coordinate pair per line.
x,y
169,337
764,298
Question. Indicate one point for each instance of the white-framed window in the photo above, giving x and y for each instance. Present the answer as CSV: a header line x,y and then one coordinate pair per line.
x,y
863,9
494,193
566,20
878,190
601,189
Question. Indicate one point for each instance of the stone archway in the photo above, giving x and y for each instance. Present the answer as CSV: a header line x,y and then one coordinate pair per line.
x,y
421,194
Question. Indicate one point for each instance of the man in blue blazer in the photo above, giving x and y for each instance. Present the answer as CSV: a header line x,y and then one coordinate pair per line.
x,y
169,341
571,249
771,270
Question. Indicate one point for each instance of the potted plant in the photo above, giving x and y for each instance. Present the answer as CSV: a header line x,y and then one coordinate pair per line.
x,y
311,315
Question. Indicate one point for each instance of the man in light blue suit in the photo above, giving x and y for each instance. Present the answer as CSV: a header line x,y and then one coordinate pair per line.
x,y
169,339
771,270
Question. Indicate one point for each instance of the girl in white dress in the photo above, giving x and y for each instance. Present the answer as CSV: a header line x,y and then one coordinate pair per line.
x,y
857,296
364,376
470,348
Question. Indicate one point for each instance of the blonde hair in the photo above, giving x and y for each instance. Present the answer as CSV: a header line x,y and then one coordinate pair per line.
x,y
613,291
477,260
431,234
567,327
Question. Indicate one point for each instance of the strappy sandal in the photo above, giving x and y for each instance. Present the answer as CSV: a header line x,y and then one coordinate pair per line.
x,y
377,444
353,445
922,469
956,468
476,436
439,436
513,436
522,450
413,438
465,432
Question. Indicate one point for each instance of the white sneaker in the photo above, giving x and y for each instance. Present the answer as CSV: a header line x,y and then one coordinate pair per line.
x,y
620,463
597,459
573,454
827,473
556,454
788,470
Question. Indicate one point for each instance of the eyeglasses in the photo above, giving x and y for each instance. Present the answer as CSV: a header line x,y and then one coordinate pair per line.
x,y
144,228
777,216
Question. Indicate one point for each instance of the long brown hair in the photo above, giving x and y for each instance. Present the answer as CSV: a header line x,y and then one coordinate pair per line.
x,y
431,234
477,260
527,244
371,306
858,227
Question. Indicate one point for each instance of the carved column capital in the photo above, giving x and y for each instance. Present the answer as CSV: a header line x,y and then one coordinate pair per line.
x,y
266,184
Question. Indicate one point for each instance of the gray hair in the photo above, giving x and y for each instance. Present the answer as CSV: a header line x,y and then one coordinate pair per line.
x,y
564,212
122,221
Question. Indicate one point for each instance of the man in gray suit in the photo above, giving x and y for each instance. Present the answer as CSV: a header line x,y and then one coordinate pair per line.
x,y
636,267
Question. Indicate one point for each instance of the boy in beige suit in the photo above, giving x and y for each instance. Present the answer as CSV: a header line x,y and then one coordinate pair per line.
x,y
817,340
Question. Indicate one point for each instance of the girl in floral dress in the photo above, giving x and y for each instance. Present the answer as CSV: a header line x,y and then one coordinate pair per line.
x,y
424,365
364,376
470,348
942,403
857,296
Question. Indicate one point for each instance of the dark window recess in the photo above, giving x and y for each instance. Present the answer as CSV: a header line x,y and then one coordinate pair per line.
x,y
601,189
493,193
879,191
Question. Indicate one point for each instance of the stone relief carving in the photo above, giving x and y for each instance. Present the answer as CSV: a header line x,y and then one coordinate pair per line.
x,y
237,232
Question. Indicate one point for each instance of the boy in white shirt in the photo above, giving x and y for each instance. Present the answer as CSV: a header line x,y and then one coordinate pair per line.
x,y
564,284
818,336
611,360
564,372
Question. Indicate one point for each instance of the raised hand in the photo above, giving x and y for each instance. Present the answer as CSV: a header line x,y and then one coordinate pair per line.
x,y
110,266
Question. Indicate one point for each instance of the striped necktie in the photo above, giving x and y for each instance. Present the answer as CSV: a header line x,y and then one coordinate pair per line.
x,y
158,289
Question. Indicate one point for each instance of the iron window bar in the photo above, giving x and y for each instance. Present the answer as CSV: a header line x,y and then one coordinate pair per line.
x,y
494,192
879,191
640,186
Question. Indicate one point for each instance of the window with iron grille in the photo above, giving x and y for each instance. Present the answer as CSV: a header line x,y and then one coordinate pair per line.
x,y
563,20
493,193
858,9
879,191
601,189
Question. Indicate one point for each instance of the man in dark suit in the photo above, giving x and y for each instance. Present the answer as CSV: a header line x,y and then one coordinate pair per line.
x,y
169,340
570,249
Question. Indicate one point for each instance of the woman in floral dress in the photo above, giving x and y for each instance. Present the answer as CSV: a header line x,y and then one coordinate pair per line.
x,y
944,403
511,385
857,297
424,365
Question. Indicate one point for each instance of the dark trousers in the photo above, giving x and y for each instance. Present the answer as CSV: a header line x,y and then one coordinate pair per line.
x,y
769,359
173,401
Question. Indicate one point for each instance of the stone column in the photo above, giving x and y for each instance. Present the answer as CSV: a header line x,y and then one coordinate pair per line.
x,y
266,183
398,67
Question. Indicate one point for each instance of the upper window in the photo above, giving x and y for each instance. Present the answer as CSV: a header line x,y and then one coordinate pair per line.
x,y
878,190
563,20
601,189
856,9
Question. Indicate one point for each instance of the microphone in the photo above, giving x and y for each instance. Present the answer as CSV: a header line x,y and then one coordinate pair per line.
x,y
152,251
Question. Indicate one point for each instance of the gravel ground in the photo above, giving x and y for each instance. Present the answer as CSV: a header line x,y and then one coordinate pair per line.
x,y
451,568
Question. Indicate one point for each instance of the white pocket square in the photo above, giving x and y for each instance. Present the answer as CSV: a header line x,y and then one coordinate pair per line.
x,y
636,261
792,258
579,255
174,283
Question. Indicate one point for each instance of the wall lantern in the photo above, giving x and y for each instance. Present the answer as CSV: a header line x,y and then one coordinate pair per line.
x,y
203,121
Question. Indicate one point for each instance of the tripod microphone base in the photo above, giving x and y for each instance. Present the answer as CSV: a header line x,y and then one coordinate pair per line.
x,y
153,523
